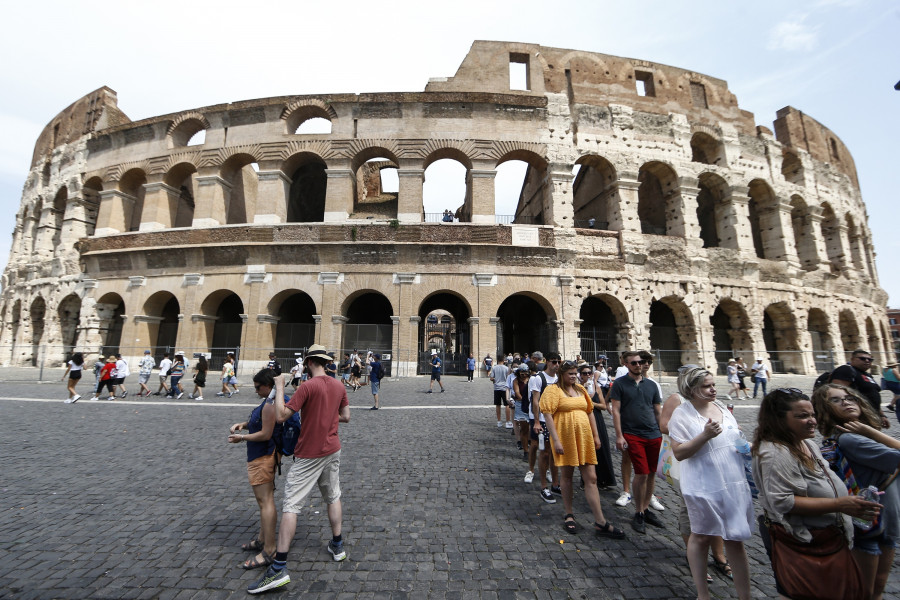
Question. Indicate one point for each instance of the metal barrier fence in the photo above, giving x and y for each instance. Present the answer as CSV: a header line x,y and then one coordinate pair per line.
x,y
48,363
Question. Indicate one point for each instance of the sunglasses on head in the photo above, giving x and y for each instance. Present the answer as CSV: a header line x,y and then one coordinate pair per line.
x,y
792,392
568,365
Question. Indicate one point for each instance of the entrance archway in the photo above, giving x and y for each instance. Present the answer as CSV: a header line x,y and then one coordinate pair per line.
x,y
227,330
369,327
822,345
69,312
524,326
599,329
780,337
296,328
110,309
444,327
664,336
38,311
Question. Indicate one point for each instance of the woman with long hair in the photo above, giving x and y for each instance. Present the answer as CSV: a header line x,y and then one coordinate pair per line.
x,y
73,370
606,475
702,433
200,378
574,441
800,496
874,457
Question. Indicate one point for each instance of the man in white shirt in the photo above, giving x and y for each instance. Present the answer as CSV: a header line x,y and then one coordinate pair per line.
x,y
164,365
536,386
760,375
121,373
145,369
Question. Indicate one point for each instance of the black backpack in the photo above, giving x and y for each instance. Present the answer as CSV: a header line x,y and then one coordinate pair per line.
x,y
822,380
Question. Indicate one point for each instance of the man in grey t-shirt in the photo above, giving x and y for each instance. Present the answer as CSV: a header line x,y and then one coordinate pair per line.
x,y
499,373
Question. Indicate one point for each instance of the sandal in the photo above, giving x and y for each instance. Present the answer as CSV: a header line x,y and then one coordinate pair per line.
x,y
724,568
255,545
569,526
607,530
252,563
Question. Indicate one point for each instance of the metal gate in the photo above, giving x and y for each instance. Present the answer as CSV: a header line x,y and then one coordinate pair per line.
x,y
596,341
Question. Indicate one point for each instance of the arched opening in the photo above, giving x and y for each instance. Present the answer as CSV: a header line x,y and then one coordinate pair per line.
x,y
90,193
820,338
240,172
314,126
377,184
190,132
664,338
369,326
444,327
707,150
708,217
309,182
832,233
110,309
804,238
132,185
58,215
227,328
850,337
600,327
730,332
446,188
296,327
792,169
524,326
69,313
310,119
181,177
595,192
762,224
37,313
528,192
657,183
15,321
780,338
856,250
164,332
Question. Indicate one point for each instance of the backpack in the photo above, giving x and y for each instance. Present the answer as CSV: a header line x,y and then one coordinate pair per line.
x,y
286,436
822,380
527,396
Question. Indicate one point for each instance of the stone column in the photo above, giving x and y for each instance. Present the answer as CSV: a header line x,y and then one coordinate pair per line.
x,y
843,258
340,191
733,216
624,217
410,191
160,206
562,209
317,336
46,228
265,331
818,239
145,330
413,343
405,363
188,336
681,207
114,214
337,331
482,205
395,346
201,333
211,203
777,231
75,225
474,340
273,193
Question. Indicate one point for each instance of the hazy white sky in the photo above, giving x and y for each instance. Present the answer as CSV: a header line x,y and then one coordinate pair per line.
x,y
833,59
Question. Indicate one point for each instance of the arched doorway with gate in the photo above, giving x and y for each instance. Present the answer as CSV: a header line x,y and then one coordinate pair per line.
x,y
599,332
369,326
225,328
444,328
295,330
524,325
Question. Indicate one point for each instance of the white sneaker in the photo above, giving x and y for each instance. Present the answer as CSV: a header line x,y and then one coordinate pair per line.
x,y
76,398
178,397
94,399
529,476
68,401
509,425
220,394
655,504
499,423
199,398
624,499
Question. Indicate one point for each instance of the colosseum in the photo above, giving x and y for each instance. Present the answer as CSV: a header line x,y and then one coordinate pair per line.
x,y
654,213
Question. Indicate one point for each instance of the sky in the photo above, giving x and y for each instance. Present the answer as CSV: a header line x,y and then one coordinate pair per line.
x,y
832,59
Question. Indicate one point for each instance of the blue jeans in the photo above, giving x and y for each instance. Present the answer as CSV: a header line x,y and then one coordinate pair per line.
x,y
759,382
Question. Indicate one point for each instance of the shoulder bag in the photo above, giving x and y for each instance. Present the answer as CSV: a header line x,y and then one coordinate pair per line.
x,y
823,569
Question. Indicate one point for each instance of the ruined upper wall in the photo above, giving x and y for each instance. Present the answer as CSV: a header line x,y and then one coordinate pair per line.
x,y
597,79
92,112
795,129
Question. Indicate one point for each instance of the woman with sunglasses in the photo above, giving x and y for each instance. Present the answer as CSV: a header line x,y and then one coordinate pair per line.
x,y
798,493
519,393
702,432
606,475
874,457
574,440
261,464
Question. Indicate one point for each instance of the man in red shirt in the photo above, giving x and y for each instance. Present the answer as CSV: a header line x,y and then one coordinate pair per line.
x,y
322,404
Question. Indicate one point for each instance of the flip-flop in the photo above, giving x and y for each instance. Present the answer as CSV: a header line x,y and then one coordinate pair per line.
x,y
252,563
724,568
255,545
607,530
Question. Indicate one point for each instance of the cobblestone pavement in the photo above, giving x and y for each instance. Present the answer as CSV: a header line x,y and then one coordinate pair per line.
x,y
146,500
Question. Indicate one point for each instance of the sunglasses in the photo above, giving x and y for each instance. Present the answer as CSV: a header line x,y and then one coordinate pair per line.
x,y
865,358
638,362
553,362
585,373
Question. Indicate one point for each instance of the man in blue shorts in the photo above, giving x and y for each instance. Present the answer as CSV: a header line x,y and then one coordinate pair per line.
x,y
436,366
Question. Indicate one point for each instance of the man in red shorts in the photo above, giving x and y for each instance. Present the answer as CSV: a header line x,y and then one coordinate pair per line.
x,y
636,405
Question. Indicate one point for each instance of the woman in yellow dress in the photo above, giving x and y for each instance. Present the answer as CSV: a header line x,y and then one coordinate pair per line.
x,y
574,441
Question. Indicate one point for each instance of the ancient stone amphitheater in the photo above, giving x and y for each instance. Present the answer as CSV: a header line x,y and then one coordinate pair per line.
x,y
654,213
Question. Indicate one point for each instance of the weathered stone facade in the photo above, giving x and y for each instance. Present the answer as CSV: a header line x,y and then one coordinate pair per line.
x,y
654,213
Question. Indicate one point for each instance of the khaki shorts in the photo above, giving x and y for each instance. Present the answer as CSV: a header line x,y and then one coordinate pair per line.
x,y
309,472
261,470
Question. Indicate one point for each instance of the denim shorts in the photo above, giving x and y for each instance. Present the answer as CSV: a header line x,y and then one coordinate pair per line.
x,y
873,545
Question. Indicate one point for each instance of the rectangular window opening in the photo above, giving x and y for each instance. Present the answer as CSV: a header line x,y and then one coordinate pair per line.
x,y
644,83
519,72
698,95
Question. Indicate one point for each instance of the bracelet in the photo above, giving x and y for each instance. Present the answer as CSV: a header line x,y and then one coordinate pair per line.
x,y
242,438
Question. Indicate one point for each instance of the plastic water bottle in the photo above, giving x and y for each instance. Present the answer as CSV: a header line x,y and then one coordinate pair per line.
x,y
742,447
541,441
871,494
